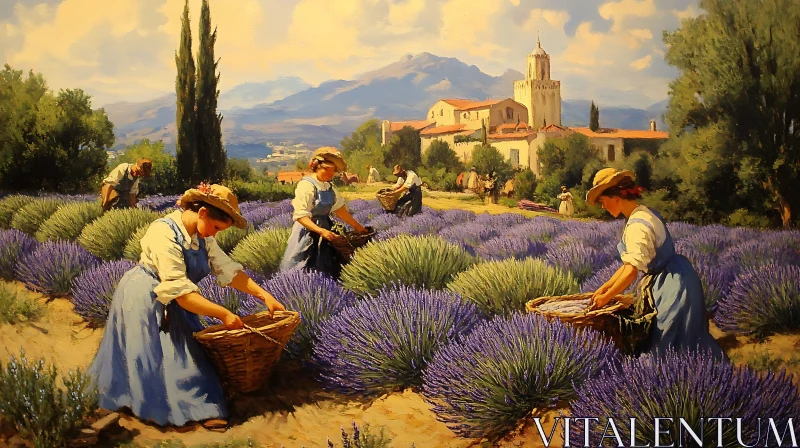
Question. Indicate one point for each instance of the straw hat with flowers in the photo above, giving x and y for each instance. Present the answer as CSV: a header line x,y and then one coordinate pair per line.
x,y
605,179
331,155
218,196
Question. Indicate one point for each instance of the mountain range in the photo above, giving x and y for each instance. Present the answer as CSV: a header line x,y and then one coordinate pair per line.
x,y
289,110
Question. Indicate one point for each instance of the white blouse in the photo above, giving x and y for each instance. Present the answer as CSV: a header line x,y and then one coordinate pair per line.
x,y
641,240
303,200
162,253
411,179
116,175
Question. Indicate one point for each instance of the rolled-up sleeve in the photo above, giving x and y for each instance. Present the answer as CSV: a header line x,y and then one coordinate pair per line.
x,y
116,175
400,181
222,266
167,256
640,246
303,200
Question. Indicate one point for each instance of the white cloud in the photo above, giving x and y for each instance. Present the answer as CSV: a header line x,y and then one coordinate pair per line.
x,y
643,63
690,12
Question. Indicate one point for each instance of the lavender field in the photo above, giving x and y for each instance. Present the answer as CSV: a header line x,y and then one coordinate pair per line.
x,y
436,301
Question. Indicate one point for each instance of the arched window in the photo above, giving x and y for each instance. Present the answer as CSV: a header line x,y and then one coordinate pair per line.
x,y
509,113
441,112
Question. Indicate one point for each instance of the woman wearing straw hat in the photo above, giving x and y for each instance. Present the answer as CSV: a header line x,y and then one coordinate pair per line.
x,y
314,201
670,282
566,207
148,360
408,182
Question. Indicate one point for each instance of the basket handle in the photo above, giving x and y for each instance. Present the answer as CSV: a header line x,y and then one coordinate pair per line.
x,y
253,330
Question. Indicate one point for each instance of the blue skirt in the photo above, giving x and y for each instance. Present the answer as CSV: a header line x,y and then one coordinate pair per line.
x,y
162,376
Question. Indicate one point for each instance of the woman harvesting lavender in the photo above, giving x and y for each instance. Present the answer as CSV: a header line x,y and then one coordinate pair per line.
x,y
670,282
148,360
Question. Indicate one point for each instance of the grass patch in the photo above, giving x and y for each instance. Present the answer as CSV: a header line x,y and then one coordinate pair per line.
x,y
765,360
16,306
172,443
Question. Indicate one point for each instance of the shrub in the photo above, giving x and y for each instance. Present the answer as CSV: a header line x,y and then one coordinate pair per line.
x,y
93,290
712,243
755,253
262,251
581,261
762,300
262,190
384,221
500,221
159,203
357,205
10,205
502,370
585,236
107,236
421,224
428,262
386,342
363,439
14,306
680,230
717,279
689,386
503,247
53,266
30,217
488,285
30,397
235,301
68,221
257,215
536,229
14,245
457,216
230,237
471,234
133,248
279,221
316,296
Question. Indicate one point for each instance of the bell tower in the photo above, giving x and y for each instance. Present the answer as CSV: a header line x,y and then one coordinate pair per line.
x,y
538,92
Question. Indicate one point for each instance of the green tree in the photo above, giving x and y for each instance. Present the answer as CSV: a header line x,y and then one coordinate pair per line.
x,y
487,159
643,170
165,177
594,117
525,184
185,115
566,157
739,89
439,155
211,156
404,149
364,138
239,169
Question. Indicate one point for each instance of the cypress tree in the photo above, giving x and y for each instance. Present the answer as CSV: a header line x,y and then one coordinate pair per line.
x,y
185,116
594,118
211,155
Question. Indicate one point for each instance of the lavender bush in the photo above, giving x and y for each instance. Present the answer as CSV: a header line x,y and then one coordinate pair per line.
x,y
762,300
503,247
30,217
159,203
230,237
457,216
53,266
421,224
248,206
537,229
133,248
262,251
587,236
316,296
717,278
713,243
581,261
67,223
470,234
500,221
689,386
107,236
428,262
755,253
93,290
14,245
681,230
384,221
603,275
232,299
256,216
385,343
10,205
357,205
279,221
482,386
504,287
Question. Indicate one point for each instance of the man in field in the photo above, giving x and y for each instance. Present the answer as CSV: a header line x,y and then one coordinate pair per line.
x,y
121,186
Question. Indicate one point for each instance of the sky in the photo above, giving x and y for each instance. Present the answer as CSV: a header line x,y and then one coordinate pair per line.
x,y
124,50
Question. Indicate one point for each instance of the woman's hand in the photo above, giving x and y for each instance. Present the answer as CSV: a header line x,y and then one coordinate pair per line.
x,y
330,236
232,321
361,229
272,303
599,300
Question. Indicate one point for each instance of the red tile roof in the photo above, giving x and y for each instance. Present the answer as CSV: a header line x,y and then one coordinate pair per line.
x,y
461,104
554,128
621,133
449,129
416,124
511,135
291,176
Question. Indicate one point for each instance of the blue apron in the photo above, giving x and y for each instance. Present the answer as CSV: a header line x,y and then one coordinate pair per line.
x,y
308,250
148,360
677,293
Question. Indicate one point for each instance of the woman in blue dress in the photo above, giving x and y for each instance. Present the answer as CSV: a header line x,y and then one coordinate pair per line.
x,y
315,199
148,360
669,278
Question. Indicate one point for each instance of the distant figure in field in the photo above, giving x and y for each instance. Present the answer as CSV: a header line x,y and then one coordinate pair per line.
x,y
121,187
566,207
472,180
373,175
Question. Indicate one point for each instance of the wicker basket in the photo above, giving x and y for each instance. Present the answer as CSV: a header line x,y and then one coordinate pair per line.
x,y
245,358
629,327
347,246
388,199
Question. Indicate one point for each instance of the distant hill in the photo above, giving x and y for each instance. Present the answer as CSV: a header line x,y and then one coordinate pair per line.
x,y
402,90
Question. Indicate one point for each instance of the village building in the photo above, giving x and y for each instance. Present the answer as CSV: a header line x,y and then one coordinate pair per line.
x,y
517,127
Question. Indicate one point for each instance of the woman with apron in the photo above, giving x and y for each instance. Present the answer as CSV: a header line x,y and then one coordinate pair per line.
x,y
670,283
407,181
148,360
566,208
315,199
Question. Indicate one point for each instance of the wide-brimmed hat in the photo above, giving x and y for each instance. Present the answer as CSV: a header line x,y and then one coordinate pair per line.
x,y
605,179
397,170
218,196
331,155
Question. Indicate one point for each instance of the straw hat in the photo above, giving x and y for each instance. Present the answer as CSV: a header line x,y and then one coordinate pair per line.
x,y
331,155
605,179
397,170
220,197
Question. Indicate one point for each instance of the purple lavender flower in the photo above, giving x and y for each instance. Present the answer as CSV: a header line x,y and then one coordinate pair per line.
x,y
384,221
603,275
386,342
537,229
785,238
421,224
14,245
470,234
762,300
684,385
282,220
93,290
759,252
681,230
457,216
483,385
53,266
713,243
503,247
256,215
316,296
248,206
577,259
587,236
500,221
232,299
159,203
431,211
285,206
717,278
358,205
